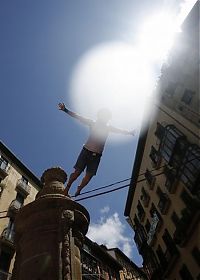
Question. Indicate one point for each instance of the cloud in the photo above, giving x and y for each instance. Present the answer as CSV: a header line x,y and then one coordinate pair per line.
x,y
111,232
105,210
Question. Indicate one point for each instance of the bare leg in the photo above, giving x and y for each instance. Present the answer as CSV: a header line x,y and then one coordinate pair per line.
x,y
84,182
72,178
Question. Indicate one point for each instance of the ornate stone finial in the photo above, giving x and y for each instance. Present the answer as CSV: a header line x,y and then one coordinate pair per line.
x,y
53,180
54,174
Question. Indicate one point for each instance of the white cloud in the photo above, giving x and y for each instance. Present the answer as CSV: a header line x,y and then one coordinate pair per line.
x,y
105,210
110,232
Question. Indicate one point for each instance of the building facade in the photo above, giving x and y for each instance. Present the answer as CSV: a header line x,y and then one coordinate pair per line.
x,y
163,203
129,269
101,263
18,187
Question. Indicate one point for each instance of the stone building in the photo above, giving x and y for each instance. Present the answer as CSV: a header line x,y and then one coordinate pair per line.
x,y
163,203
129,269
99,262
18,187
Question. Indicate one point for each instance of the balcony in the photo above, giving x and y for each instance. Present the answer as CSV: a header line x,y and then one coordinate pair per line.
x,y
5,275
14,208
23,187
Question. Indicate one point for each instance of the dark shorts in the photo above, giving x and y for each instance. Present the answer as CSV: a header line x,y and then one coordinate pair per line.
x,y
88,160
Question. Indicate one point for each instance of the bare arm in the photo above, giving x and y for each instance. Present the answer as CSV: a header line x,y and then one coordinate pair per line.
x,y
74,115
121,131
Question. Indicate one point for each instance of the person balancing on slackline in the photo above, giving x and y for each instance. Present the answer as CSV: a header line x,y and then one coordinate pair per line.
x,y
92,150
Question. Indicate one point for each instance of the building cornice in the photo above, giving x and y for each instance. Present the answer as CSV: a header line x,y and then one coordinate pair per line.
x,y
12,157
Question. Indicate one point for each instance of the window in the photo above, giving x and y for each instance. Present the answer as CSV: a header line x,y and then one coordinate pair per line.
x,y
153,228
164,200
169,242
1,189
196,255
190,169
24,180
147,226
3,163
141,213
187,96
145,197
161,257
150,179
160,130
175,218
155,156
20,198
154,210
172,144
185,273
186,198
171,176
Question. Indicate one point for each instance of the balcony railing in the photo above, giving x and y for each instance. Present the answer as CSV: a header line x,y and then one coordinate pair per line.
x,y
23,187
5,275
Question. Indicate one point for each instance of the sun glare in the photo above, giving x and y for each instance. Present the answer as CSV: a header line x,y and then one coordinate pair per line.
x,y
116,76
157,36
122,77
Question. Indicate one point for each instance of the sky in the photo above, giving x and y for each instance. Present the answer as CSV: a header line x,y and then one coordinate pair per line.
x,y
55,51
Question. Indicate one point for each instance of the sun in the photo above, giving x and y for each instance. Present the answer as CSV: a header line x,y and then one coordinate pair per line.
x,y
116,76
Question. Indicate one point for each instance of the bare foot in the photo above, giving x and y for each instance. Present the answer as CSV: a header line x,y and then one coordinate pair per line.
x,y
78,191
66,190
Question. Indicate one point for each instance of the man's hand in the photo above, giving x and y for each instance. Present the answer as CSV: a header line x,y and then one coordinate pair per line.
x,y
62,106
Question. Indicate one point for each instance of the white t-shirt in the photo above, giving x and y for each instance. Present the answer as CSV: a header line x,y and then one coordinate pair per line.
x,y
97,137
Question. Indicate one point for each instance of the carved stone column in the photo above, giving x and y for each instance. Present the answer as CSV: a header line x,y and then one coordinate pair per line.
x,y
49,233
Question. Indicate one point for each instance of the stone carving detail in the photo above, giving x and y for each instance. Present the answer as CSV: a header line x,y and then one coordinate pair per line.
x,y
67,218
66,262
53,180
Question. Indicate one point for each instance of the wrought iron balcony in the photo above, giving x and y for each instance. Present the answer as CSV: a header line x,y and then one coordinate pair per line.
x,y
23,187
5,275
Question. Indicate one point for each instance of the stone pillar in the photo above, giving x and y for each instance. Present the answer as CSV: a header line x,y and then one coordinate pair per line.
x,y
49,233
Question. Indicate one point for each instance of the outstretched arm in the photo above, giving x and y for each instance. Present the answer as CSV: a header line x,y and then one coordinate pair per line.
x,y
121,131
74,115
